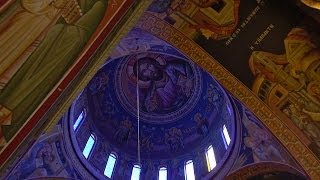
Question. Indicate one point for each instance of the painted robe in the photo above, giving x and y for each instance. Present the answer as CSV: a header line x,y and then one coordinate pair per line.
x,y
23,28
47,64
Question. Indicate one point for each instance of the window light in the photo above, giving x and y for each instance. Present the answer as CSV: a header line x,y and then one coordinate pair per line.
x,y
189,171
79,120
226,136
88,148
135,175
110,165
211,160
163,173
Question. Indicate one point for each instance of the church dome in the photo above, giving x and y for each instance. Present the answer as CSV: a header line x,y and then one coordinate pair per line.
x,y
153,108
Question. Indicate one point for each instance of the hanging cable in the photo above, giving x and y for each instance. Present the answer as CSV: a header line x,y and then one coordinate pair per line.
x,y
138,111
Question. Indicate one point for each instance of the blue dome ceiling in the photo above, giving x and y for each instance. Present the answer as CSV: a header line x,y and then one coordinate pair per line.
x,y
180,105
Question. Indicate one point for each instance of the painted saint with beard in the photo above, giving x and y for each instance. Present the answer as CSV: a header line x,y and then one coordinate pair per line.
x,y
171,84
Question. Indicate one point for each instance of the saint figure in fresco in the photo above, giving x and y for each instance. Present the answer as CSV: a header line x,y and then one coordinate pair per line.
x,y
25,27
290,82
262,151
124,131
99,83
170,84
261,143
46,65
202,124
304,122
37,163
221,16
174,139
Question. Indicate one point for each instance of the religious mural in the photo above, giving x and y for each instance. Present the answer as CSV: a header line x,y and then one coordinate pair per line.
x,y
276,51
167,86
113,93
181,117
153,71
53,156
215,19
177,101
41,43
290,82
46,158
258,145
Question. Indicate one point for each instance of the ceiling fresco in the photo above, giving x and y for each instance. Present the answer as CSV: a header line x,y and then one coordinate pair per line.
x,y
186,69
169,87
274,52
45,43
179,103
166,135
274,59
56,155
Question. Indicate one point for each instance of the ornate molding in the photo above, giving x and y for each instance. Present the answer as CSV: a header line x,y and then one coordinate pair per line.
x,y
166,32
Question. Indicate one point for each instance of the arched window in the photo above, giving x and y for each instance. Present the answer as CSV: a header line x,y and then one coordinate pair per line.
x,y
225,136
211,160
135,175
89,145
163,173
108,171
189,171
79,120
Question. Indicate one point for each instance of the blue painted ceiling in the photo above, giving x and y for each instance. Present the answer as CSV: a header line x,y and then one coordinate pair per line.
x,y
181,107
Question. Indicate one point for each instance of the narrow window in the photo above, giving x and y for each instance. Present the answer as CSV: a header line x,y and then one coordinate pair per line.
x,y
88,148
189,171
79,120
110,165
163,173
135,175
211,160
226,136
